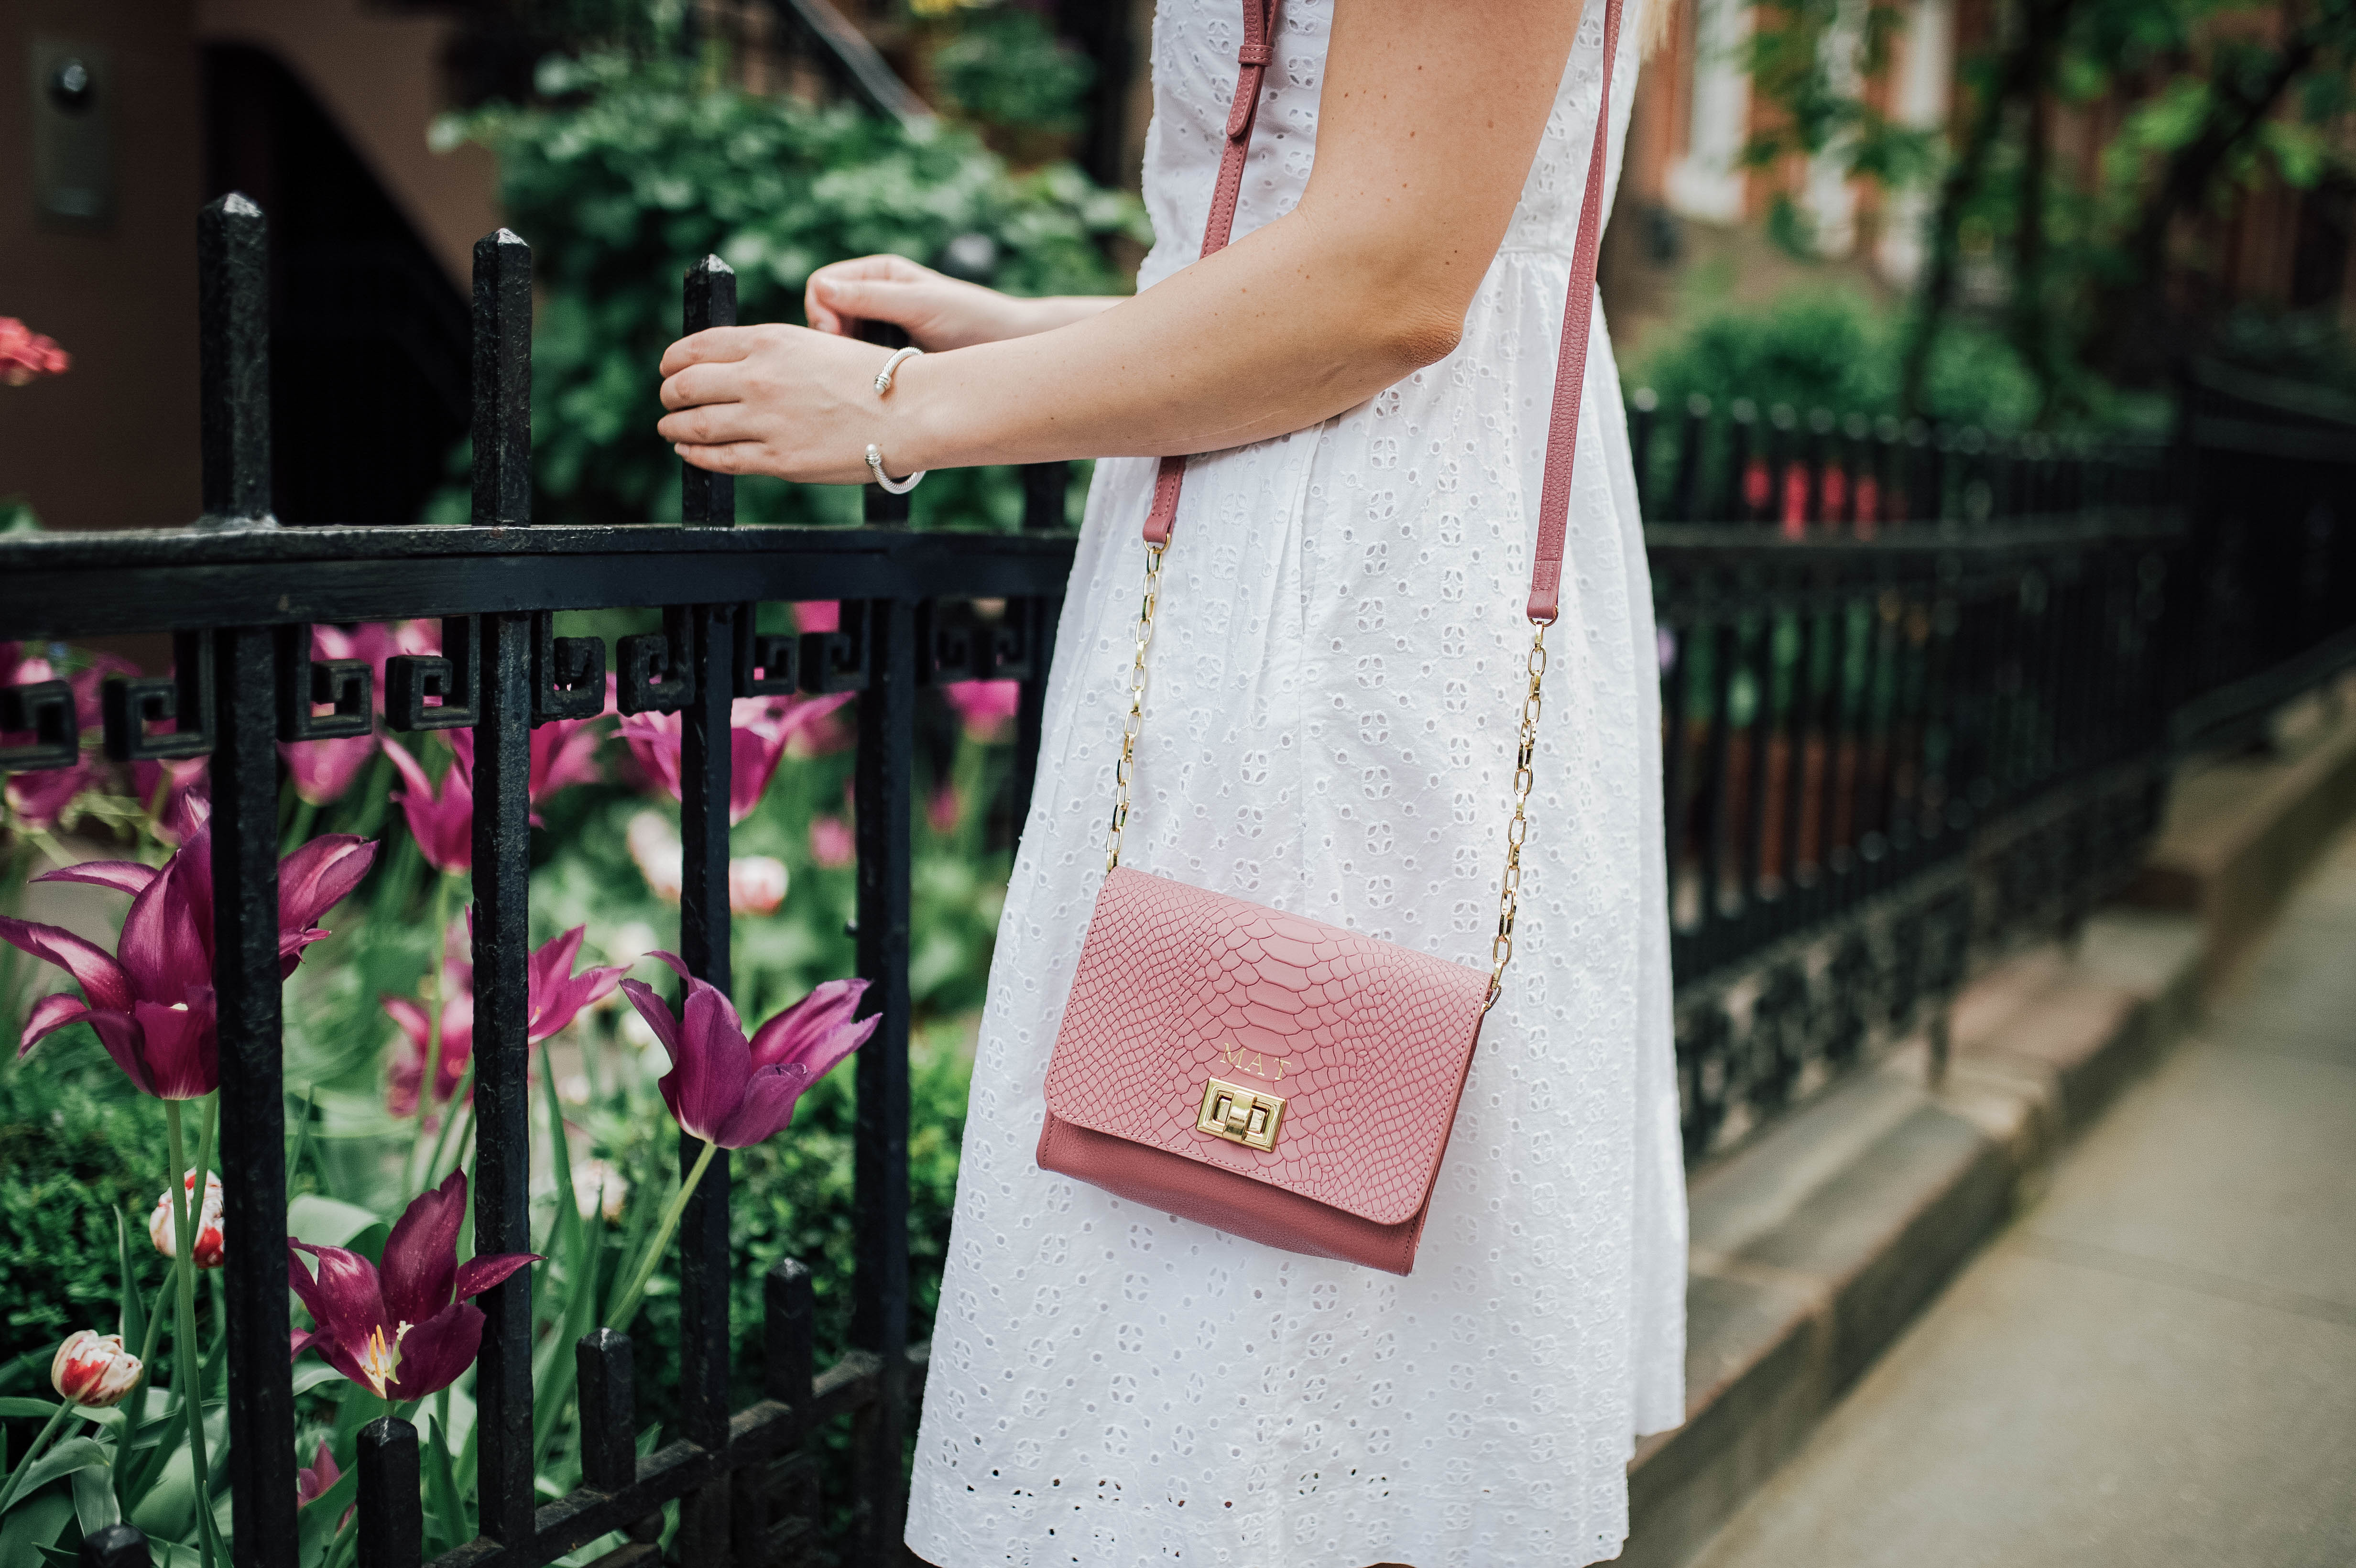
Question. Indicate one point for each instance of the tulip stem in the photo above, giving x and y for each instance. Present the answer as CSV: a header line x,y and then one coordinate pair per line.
x,y
298,829
626,1308
8,1495
431,988
441,1140
184,1337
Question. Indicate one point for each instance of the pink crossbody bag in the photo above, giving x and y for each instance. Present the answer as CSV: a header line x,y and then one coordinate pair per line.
x,y
1275,1077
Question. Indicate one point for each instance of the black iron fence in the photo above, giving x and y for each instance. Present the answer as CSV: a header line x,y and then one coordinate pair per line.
x,y
1915,694
1912,704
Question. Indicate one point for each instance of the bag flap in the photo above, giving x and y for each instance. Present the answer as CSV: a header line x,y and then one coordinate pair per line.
x,y
1365,1042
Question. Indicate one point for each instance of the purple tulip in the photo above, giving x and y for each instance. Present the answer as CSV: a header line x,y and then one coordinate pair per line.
x,y
555,996
760,730
151,1002
563,754
732,1093
443,823
404,1328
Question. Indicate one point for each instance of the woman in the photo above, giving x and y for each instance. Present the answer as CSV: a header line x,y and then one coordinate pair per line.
x,y
1336,675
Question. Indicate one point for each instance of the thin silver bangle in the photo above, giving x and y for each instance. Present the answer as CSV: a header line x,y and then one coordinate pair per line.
x,y
875,453
892,367
891,486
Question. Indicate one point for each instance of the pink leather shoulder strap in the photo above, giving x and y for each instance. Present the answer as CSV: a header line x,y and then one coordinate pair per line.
x,y
1570,362
1251,70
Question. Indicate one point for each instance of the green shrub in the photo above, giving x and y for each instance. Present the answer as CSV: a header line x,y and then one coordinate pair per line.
x,y
1814,349
634,170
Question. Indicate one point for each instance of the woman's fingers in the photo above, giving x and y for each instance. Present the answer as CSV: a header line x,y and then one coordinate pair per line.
x,y
713,345
731,457
825,313
700,384
711,423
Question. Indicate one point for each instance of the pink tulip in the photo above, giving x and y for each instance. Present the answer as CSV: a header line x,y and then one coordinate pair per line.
x,y
151,1002
180,793
323,770
985,706
563,754
93,1371
311,1483
731,1092
761,729
655,849
441,822
38,800
375,642
831,843
206,1250
404,1328
756,884
557,995
554,997
942,812
408,1071
41,799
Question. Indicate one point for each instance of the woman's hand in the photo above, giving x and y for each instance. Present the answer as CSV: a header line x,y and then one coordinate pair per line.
x,y
936,312
778,400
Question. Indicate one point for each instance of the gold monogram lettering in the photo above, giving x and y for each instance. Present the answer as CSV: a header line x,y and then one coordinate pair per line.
x,y
1254,1063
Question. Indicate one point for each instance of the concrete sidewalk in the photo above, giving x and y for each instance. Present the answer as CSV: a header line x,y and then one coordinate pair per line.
x,y
2155,1363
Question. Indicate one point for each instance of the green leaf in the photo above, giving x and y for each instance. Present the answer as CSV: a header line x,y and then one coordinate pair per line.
x,y
444,1509
30,1409
94,1499
32,1523
133,1312
330,1222
312,1374
73,1455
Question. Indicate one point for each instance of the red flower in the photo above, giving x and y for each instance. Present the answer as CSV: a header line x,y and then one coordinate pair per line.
x,y
207,1250
25,356
93,1370
404,1328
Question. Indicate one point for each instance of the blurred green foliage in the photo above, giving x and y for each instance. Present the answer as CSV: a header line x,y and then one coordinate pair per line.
x,y
629,170
1819,348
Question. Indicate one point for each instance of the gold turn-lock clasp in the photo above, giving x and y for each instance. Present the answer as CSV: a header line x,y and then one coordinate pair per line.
x,y
1240,1116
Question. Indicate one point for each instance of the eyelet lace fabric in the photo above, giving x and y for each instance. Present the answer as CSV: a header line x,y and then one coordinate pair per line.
x,y
1334,683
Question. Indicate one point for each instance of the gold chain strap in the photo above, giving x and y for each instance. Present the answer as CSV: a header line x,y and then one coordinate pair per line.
x,y
1135,723
1509,896
1501,949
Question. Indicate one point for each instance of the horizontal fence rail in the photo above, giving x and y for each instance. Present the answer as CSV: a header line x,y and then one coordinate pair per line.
x,y
1915,691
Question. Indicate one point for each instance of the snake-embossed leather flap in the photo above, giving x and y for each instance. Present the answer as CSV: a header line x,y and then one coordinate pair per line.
x,y
1367,1042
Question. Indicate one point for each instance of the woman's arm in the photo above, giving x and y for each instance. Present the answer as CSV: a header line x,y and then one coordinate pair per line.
x,y
1431,113
937,310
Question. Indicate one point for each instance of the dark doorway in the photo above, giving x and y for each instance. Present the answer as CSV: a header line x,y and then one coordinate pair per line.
x,y
369,359
2319,269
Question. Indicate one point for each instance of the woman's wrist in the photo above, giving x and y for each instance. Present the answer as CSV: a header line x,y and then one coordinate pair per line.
x,y
912,425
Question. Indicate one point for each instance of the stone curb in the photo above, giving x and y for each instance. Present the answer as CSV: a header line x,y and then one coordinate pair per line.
x,y
1814,1247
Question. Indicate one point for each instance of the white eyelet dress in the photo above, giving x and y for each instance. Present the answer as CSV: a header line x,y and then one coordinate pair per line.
x,y
1335,681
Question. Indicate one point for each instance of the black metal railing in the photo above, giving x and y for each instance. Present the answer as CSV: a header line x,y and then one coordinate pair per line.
x,y
239,596
1916,689
1914,698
